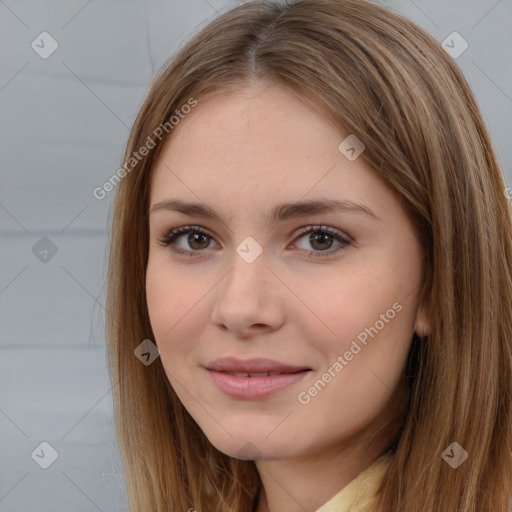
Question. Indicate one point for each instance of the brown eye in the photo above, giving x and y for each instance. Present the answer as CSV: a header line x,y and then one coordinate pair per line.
x,y
321,239
197,239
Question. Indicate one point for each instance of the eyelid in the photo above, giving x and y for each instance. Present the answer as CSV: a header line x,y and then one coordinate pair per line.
x,y
172,234
313,228
343,238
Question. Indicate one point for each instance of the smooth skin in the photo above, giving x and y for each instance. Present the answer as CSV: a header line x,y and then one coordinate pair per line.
x,y
242,153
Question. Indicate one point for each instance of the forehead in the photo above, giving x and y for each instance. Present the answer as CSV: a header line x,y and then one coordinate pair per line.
x,y
257,146
256,124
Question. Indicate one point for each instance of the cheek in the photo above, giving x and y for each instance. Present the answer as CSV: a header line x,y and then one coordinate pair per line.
x,y
345,304
171,307
160,298
366,317
177,312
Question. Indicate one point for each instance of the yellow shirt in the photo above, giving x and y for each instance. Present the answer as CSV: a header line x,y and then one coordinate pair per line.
x,y
360,494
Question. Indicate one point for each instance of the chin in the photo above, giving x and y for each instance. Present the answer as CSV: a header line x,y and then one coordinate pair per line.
x,y
253,447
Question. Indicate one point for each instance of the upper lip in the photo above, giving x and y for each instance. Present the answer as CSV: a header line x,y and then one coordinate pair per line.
x,y
255,365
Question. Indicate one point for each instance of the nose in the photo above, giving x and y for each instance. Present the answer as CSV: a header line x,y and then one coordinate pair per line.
x,y
250,299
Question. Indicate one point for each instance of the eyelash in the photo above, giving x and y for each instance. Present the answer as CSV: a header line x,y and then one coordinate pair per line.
x,y
169,239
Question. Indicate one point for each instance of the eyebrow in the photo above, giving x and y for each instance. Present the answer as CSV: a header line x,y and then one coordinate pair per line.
x,y
280,212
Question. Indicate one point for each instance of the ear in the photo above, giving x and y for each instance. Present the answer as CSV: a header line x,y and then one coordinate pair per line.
x,y
423,322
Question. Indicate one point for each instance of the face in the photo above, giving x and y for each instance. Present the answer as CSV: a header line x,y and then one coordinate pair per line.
x,y
284,330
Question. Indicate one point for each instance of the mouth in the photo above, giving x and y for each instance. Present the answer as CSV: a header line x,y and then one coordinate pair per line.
x,y
254,378
255,367
260,374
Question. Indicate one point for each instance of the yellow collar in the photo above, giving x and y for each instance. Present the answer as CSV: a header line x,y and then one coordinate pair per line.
x,y
360,494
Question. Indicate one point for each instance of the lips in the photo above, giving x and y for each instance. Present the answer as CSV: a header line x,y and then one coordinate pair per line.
x,y
254,379
257,367
253,374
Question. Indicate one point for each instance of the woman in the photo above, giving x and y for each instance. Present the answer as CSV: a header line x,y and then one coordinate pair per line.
x,y
371,374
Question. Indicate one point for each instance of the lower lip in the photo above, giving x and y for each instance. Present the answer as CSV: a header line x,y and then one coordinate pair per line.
x,y
255,387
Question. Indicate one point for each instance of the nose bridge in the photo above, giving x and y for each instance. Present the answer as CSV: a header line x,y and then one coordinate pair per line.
x,y
248,267
246,297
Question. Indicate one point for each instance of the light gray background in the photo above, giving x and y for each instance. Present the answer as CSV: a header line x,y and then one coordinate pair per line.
x,y
64,122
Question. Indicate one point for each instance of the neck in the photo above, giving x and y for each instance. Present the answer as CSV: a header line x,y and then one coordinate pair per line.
x,y
306,483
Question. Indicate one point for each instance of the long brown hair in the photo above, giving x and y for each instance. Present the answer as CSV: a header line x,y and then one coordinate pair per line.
x,y
377,75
